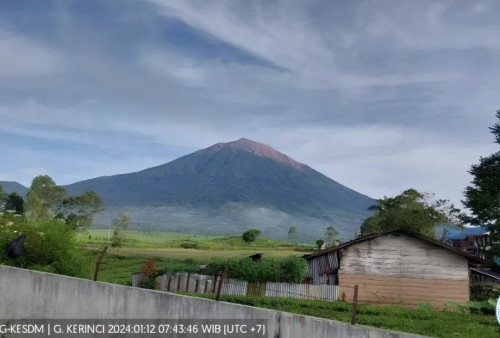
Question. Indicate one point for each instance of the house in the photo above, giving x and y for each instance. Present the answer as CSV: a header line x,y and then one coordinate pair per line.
x,y
396,267
473,240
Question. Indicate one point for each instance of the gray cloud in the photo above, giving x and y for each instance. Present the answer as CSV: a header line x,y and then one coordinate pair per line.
x,y
380,96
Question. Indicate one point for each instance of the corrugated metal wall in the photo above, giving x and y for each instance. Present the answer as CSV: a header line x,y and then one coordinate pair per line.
x,y
318,268
172,282
302,291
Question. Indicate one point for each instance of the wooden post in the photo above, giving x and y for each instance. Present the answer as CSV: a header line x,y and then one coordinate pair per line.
x,y
206,286
196,285
98,263
169,281
354,305
221,281
178,283
215,283
187,281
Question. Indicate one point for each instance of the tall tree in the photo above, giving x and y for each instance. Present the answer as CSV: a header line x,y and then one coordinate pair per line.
x,y
411,210
122,221
330,236
482,197
43,197
79,210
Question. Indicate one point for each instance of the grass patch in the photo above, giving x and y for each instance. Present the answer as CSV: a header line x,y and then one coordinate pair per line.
x,y
424,322
163,240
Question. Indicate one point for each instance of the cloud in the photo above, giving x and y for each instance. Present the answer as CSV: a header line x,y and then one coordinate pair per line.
x,y
379,96
23,57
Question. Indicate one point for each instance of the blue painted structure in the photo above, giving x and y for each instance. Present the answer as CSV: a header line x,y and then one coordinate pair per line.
x,y
462,234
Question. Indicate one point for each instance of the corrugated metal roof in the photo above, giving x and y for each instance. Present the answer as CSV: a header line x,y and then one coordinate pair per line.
x,y
410,233
461,234
489,273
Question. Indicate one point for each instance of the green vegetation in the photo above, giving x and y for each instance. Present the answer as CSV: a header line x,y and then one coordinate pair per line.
x,y
15,203
171,240
78,211
43,197
483,196
412,210
319,243
330,236
120,223
251,235
46,200
292,269
169,253
423,321
49,245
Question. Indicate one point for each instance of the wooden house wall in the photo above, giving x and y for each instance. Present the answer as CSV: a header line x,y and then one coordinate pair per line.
x,y
400,269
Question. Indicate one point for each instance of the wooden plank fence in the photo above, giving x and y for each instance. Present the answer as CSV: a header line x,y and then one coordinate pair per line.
x,y
173,282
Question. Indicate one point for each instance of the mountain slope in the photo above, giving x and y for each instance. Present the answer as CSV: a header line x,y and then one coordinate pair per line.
x,y
237,175
9,187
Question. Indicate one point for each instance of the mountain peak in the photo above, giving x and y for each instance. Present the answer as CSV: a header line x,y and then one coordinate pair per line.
x,y
259,149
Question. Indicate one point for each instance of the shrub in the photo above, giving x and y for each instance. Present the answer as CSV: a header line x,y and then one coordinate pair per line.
x,y
189,245
49,246
150,273
117,240
294,270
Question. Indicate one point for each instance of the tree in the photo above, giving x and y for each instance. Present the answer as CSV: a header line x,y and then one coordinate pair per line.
x,y
43,197
330,235
122,221
411,211
292,235
251,235
14,202
482,197
319,243
79,211
2,198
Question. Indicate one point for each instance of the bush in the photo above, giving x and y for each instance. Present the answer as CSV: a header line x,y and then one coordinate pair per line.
x,y
189,245
117,240
150,273
292,270
49,246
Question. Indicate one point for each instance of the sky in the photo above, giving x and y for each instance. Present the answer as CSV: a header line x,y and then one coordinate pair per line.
x,y
380,96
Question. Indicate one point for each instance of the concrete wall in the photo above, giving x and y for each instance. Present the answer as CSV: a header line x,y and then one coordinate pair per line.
x,y
26,294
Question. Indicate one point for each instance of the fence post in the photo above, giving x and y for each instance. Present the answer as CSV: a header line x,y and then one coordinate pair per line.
x,y
178,283
221,281
187,281
98,263
169,281
354,305
206,286
196,284
215,283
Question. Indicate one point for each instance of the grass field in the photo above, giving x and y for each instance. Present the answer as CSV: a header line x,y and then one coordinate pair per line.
x,y
136,239
425,322
167,250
